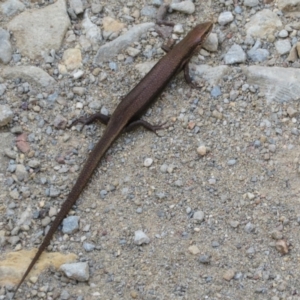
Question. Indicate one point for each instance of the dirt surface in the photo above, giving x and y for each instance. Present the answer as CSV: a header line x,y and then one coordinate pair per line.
x,y
247,186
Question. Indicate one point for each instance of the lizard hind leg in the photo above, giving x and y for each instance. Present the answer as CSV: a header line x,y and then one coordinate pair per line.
x,y
145,124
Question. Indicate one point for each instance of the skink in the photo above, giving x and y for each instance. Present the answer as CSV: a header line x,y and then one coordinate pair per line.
x,y
127,115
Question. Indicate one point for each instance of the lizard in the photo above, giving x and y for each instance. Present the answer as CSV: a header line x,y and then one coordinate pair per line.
x,y
127,116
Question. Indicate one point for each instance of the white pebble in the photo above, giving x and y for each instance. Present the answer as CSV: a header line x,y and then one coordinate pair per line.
x,y
225,18
78,74
148,162
140,238
187,7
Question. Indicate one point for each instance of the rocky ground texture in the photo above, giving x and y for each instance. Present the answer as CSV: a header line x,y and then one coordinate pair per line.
x,y
209,209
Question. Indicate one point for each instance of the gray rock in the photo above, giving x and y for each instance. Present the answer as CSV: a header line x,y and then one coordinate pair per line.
x,y
77,6
251,3
6,115
11,7
21,172
70,225
33,35
5,47
276,83
76,271
186,7
235,55
140,238
91,30
2,89
88,247
216,91
205,259
283,46
148,11
199,216
111,49
231,162
263,23
30,74
249,227
258,54
225,18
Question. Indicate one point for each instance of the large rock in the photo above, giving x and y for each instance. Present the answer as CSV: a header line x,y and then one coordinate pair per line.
x,y
263,23
40,30
5,47
111,49
276,83
30,74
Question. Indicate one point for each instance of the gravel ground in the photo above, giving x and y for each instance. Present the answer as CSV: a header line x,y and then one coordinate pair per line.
x,y
217,193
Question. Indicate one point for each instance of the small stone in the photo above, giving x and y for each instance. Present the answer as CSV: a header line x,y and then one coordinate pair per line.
x,y
88,247
216,91
46,221
6,115
194,250
276,235
229,274
291,112
282,247
70,225
133,51
198,216
72,58
249,228
234,224
225,18
235,55
186,7
140,238
251,3
201,150
76,271
148,162
283,33
283,46
205,259
133,294
231,162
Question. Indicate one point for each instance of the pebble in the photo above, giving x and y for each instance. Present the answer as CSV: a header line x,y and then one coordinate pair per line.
x,y
283,33
251,3
234,224
249,228
235,55
199,216
229,274
148,162
231,162
216,91
88,247
276,235
5,47
12,7
201,150
283,46
70,225
205,259
194,250
77,271
140,238
282,247
6,115
225,18
186,7
258,54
